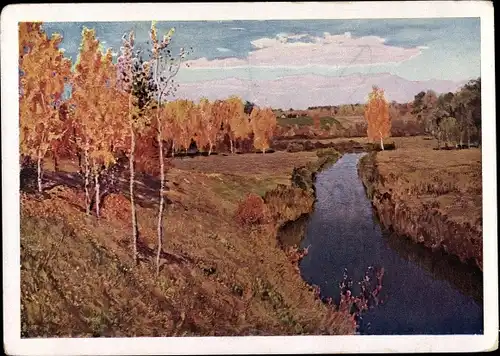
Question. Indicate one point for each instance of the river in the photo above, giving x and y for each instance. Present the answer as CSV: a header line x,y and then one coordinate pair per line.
x,y
423,292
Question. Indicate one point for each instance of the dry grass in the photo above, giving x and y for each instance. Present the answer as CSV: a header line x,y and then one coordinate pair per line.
x,y
418,142
217,278
277,164
434,197
449,181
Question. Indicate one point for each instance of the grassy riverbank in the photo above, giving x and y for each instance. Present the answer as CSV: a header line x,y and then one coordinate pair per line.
x,y
433,197
217,276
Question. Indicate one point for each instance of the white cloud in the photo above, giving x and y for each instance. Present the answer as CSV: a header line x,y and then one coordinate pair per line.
x,y
222,49
237,28
326,51
422,47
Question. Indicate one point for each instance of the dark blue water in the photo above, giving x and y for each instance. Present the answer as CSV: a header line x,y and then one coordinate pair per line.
x,y
423,292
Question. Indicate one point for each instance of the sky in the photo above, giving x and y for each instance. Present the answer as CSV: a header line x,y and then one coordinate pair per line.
x,y
297,63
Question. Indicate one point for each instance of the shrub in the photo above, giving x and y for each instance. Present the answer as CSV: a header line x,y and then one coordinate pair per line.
x,y
324,152
295,147
251,211
285,203
302,178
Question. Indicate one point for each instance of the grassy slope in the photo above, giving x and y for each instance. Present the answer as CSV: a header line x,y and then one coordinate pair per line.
x,y
216,278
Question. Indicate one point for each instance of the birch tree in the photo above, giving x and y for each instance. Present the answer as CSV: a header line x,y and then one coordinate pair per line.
x,y
165,68
134,79
43,72
377,116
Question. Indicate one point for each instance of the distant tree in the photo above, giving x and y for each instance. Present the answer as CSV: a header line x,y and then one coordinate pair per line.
x,y
263,123
377,116
210,123
467,104
238,121
424,108
448,127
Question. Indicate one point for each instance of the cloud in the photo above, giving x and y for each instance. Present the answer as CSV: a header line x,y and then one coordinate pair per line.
x,y
222,49
422,47
327,51
311,90
237,28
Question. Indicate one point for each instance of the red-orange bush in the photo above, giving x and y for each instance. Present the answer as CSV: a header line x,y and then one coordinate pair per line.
x,y
251,211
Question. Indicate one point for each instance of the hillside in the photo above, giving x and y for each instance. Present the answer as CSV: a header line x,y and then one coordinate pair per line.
x,y
216,278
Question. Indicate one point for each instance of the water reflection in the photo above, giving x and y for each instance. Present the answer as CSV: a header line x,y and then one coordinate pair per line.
x,y
467,279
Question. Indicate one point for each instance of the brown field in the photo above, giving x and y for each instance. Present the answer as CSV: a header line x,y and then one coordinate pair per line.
x,y
275,166
450,179
217,278
414,142
433,197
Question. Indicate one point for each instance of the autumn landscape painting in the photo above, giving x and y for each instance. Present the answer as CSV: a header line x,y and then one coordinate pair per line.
x,y
236,178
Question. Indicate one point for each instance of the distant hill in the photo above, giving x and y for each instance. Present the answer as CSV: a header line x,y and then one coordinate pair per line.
x,y
300,92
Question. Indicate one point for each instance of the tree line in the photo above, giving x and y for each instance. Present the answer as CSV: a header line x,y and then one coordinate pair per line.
x,y
103,112
452,118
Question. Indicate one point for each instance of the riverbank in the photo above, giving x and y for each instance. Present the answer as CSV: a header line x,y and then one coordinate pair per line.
x,y
432,197
217,278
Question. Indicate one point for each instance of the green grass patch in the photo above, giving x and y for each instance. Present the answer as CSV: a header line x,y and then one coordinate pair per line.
x,y
307,121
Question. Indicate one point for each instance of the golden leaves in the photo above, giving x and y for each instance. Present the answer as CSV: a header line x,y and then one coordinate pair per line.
x,y
101,108
43,73
377,115
263,123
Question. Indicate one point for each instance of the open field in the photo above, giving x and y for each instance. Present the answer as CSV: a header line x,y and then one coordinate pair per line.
x,y
434,197
216,278
451,179
277,165
307,121
414,142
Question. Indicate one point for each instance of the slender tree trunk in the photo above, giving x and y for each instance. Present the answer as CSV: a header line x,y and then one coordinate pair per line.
x,y
162,175
162,198
97,194
87,180
468,137
381,141
173,147
461,138
209,147
231,143
39,170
